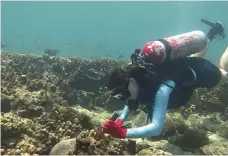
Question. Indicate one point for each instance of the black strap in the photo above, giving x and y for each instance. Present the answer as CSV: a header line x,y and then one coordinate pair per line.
x,y
168,48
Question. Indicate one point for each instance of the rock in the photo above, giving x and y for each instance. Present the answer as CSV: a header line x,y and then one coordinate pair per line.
x,y
188,153
153,151
214,100
174,123
3,151
225,114
86,99
5,104
65,147
208,124
193,119
169,128
215,137
179,122
145,152
141,144
140,119
171,148
193,138
223,129
53,88
97,118
196,101
32,111
131,147
215,148
14,126
26,154
23,79
127,124
135,119
70,96
162,145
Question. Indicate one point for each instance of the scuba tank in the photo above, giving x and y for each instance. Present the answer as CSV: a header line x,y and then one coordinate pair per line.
x,y
175,46
182,45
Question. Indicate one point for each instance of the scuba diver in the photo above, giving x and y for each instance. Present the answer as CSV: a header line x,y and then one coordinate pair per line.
x,y
162,77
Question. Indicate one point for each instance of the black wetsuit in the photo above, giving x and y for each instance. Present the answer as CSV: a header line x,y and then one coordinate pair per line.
x,y
188,74
185,75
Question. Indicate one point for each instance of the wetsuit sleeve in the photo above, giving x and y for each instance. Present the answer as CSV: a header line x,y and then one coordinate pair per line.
x,y
159,114
124,113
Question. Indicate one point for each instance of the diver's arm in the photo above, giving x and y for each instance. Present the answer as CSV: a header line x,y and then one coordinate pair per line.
x,y
159,114
124,113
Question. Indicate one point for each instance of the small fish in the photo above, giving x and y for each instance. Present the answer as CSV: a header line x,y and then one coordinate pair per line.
x,y
51,52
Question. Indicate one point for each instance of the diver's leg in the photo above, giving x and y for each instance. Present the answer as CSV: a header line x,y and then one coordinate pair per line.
x,y
223,66
224,78
217,29
202,53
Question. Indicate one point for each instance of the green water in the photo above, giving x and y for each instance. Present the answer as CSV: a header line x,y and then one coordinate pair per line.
x,y
108,29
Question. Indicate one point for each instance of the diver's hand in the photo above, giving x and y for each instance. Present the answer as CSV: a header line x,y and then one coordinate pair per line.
x,y
119,122
114,129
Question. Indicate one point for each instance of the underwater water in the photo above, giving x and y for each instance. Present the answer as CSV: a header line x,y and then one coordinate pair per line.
x,y
56,105
104,29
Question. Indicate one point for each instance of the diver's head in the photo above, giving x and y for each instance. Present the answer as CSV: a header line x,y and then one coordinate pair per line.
x,y
137,51
127,82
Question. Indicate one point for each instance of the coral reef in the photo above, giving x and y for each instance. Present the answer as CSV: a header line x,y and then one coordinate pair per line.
x,y
223,129
163,145
62,77
5,103
191,139
216,148
86,144
53,105
64,147
153,151
43,132
13,130
213,100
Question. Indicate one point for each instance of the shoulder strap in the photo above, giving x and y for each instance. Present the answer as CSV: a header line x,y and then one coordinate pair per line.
x,y
168,48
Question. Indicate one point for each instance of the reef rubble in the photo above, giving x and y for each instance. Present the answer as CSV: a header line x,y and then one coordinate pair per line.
x,y
53,105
